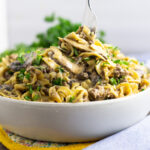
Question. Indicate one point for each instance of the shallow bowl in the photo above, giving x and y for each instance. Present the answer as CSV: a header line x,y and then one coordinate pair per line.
x,y
73,122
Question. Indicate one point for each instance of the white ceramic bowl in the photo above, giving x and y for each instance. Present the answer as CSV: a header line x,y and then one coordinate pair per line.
x,y
78,122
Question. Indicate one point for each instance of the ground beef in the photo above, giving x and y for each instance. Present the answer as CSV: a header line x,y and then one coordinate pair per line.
x,y
109,95
119,72
83,76
97,93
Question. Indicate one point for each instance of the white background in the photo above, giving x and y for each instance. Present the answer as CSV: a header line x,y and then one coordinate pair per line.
x,y
3,25
126,22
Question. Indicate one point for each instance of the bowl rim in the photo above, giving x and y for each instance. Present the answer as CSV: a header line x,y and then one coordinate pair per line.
x,y
91,103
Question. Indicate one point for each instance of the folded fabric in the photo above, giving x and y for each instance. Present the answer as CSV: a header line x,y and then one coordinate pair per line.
x,y
136,137
16,142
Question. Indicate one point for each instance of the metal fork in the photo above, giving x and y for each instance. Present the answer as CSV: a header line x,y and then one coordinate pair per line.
x,y
89,18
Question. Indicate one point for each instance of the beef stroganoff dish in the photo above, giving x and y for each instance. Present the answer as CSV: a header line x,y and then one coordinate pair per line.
x,y
80,69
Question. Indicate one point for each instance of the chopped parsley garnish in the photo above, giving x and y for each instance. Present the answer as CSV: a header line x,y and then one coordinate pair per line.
x,y
99,81
21,74
142,89
142,63
76,52
71,59
113,48
86,58
118,61
113,55
37,60
30,89
35,97
22,71
27,75
27,97
60,69
108,56
125,62
21,59
58,81
38,88
113,81
71,99
105,63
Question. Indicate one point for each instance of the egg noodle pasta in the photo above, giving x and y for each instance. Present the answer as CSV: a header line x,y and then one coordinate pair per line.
x,y
80,69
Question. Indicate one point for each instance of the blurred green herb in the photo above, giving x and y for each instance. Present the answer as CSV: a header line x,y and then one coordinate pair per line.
x,y
50,18
61,28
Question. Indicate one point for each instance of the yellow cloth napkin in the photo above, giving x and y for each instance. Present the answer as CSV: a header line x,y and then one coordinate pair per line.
x,y
15,142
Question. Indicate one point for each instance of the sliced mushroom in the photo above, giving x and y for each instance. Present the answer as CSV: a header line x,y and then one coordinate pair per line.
x,y
29,58
6,87
83,76
65,62
51,63
16,66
